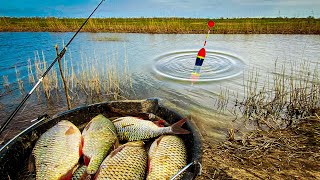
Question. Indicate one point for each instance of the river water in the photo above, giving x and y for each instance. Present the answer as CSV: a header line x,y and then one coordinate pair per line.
x,y
160,66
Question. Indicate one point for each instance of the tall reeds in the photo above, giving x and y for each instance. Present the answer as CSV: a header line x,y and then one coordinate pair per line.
x,y
288,98
94,79
50,82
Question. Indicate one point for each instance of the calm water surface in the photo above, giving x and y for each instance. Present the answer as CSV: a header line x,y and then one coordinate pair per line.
x,y
160,66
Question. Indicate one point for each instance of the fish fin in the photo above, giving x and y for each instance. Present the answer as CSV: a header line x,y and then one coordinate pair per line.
x,y
149,168
114,152
70,131
87,126
116,144
158,140
127,125
31,163
86,160
159,123
81,146
176,127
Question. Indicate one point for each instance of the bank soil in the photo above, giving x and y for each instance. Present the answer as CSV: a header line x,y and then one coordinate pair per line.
x,y
291,153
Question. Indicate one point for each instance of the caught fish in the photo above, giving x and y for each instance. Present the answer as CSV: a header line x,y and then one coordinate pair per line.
x,y
132,128
57,152
99,136
166,157
128,161
80,173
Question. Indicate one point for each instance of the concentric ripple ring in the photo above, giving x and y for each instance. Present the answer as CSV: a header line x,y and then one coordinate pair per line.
x,y
216,66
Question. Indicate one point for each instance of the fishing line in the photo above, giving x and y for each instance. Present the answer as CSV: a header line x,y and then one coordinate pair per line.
x,y
61,54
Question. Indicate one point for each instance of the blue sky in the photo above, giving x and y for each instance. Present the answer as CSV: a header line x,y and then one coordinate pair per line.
x,y
161,8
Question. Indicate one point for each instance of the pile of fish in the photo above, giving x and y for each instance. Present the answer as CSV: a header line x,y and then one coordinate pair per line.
x,y
63,152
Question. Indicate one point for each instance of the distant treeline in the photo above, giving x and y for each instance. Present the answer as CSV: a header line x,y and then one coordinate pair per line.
x,y
308,25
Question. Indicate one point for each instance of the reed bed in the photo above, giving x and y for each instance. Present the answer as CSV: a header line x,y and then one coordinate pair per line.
x,y
279,25
292,94
94,80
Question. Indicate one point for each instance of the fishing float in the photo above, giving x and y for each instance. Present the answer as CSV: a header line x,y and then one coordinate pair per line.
x,y
195,75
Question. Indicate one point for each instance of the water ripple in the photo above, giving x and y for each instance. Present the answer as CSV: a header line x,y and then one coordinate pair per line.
x,y
216,66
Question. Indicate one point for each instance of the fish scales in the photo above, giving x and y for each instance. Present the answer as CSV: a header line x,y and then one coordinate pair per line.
x,y
57,151
167,156
99,137
132,129
129,161
79,173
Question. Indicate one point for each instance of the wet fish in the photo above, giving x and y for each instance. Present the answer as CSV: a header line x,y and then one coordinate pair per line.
x,y
80,173
57,152
99,136
132,128
166,157
129,161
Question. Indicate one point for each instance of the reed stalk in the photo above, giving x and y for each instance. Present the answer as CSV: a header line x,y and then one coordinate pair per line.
x,y
6,83
20,82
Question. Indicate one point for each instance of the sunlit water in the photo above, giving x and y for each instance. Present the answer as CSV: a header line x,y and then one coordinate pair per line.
x,y
160,66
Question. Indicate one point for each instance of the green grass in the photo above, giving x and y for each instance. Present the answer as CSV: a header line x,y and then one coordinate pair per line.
x,y
165,25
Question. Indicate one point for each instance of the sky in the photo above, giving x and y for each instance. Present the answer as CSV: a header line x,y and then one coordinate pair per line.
x,y
161,8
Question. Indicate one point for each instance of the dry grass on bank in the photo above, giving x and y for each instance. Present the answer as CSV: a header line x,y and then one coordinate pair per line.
x,y
292,153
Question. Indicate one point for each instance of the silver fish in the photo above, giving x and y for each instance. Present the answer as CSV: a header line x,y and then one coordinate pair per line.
x,y
133,129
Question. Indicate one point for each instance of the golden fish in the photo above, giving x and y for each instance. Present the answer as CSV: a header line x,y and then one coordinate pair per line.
x,y
99,136
167,156
129,161
57,152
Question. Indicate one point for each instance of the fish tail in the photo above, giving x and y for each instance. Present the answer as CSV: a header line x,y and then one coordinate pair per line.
x,y
31,163
177,129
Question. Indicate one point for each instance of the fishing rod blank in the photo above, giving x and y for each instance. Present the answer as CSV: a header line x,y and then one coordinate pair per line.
x,y
60,55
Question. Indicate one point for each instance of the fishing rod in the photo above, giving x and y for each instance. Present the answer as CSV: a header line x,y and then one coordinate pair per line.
x,y
59,56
